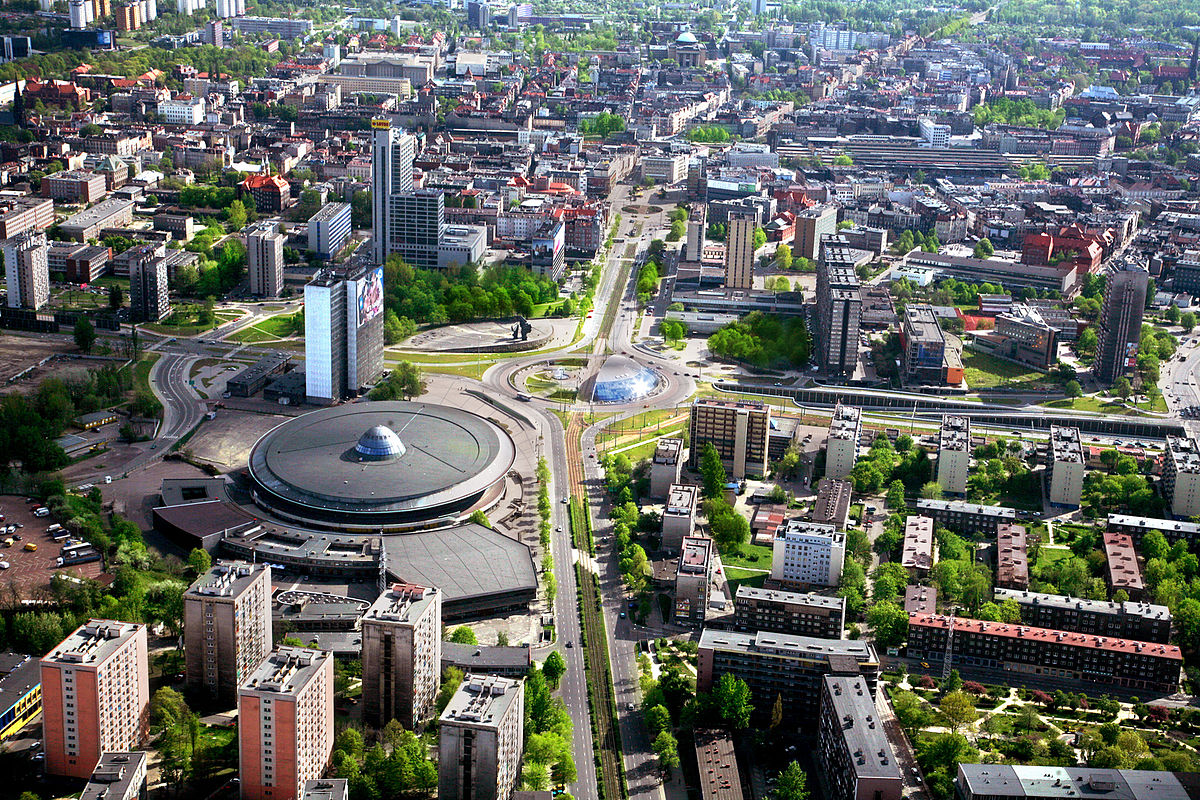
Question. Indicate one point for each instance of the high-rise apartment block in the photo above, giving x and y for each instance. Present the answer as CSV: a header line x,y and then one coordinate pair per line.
x,y
285,723
839,311
227,626
811,224
841,449
679,516
697,225
27,269
1065,466
852,746
95,692
401,656
481,739
666,466
264,259
737,429
149,300
739,248
693,578
795,613
1120,327
329,229
954,455
808,554
1181,476
118,776
343,333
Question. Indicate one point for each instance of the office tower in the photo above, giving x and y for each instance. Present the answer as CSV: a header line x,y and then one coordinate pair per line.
x,y
264,258
811,224
416,221
95,690
841,446
795,613
808,554
27,269
1065,465
665,467
481,739
739,248
227,626
118,776
329,229
80,11
1120,326
149,300
479,15
343,333
401,656
853,750
1181,476
679,515
693,577
930,356
782,665
696,226
954,454
392,154
839,311
285,723
737,429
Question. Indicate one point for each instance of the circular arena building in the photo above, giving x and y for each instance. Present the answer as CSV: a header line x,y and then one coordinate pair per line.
x,y
380,467
621,380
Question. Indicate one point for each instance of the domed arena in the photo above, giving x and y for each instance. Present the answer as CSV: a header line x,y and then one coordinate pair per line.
x,y
622,380
380,467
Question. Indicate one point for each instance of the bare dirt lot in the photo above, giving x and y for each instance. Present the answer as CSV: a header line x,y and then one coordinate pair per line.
x,y
19,352
29,572
226,441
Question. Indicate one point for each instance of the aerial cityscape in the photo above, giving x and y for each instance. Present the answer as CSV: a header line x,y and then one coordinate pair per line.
x,y
731,400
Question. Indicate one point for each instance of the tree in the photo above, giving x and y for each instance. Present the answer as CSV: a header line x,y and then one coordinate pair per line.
x,y
236,215
730,702
1172,314
85,334
554,668
1073,389
200,561
712,470
777,712
959,710
783,256
984,248
895,494
931,490
889,622
116,297
1187,321
792,784
463,635
667,750
760,238
1121,387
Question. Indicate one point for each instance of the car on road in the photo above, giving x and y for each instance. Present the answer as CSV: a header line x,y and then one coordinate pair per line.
x,y
622,615
566,500
558,529
570,645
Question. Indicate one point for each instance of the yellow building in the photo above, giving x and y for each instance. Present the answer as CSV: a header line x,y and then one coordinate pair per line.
x,y
21,690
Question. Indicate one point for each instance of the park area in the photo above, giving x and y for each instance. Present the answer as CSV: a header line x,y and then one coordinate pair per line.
x,y
982,371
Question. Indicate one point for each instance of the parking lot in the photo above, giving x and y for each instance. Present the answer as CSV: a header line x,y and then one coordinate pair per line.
x,y
30,572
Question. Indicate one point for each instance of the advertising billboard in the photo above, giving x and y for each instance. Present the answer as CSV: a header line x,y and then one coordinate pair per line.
x,y
370,296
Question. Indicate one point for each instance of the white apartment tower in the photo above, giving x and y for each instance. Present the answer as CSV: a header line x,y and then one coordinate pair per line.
x,y
227,626
954,455
402,655
343,333
808,554
841,449
1065,465
27,269
481,739
95,689
264,259
1181,476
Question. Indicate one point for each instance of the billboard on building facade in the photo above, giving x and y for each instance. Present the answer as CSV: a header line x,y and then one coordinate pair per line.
x,y
370,296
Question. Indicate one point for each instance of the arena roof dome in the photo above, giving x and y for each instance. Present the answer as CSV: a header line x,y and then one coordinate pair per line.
x,y
623,380
380,466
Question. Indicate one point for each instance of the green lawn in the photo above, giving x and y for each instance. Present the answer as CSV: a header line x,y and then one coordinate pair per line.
x,y
141,372
738,577
982,371
751,556
1088,403
268,330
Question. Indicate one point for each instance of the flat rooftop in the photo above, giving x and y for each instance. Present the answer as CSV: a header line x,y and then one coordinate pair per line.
x,y
98,213
18,674
1073,783
1068,638
227,579
695,555
1184,453
955,434
920,599
716,761
851,703
806,599
962,507
288,670
482,700
917,550
401,603
844,424
329,211
1065,446
786,645
1129,607
1151,524
667,451
465,561
1123,569
800,527
93,642
681,501
921,323
114,774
